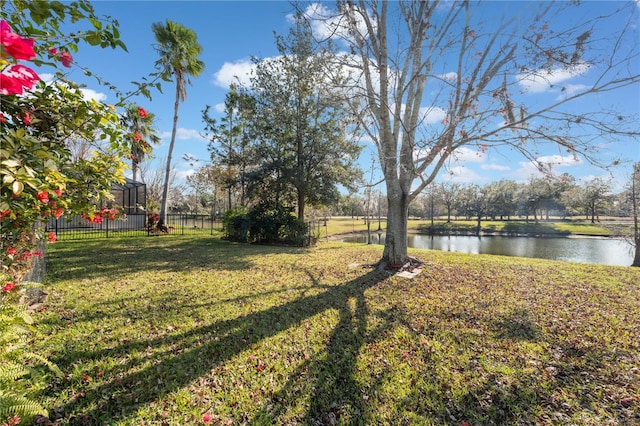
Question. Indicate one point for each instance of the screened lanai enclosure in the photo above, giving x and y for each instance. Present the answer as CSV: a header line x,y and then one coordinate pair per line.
x,y
129,198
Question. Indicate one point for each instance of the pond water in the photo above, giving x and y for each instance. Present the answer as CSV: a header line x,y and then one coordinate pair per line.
x,y
606,251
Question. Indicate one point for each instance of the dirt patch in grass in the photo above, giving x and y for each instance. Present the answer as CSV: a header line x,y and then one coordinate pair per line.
x,y
176,330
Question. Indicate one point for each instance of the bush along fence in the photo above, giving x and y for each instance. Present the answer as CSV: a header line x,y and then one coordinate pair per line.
x,y
266,223
76,227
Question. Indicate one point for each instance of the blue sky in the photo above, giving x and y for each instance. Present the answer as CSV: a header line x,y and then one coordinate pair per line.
x,y
230,32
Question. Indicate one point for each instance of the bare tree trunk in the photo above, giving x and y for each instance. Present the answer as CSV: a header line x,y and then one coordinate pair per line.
x,y
634,202
301,175
167,174
395,244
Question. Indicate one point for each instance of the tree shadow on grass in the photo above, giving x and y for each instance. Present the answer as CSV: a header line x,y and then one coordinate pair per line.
x,y
336,397
194,353
119,258
517,325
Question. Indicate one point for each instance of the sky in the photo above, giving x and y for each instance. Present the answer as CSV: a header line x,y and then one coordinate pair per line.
x,y
231,32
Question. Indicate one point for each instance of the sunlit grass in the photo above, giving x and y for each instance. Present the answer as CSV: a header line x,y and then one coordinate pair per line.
x,y
163,330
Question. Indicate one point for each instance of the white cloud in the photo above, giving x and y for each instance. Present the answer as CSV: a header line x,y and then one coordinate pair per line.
x,y
545,80
328,24
89,94
560,160
239,71
450,76
219,107
468,155
461,174
571,89
432,114
184,134
529,169
181,175
495,167
46,77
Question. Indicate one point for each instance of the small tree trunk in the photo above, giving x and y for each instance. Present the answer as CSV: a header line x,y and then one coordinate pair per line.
x,y
301,203
636,213
636,258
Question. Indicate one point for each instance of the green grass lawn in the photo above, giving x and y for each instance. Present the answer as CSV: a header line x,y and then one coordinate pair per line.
x,y
167,330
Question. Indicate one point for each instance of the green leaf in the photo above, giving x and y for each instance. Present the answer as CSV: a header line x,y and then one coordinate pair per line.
x,y
17,187
11,163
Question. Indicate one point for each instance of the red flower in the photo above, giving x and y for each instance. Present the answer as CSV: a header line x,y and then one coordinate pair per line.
x,y
58,212
52,237
58,192
15,420
27,118
11,251
53,51
37,253
5,213
137,137
206,418
8,287
143,113
3,119
42,196
14,45
14,78
66,59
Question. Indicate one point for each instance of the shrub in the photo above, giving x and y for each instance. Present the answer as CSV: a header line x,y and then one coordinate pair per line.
x,y
296,232
265,223
235,224
273,223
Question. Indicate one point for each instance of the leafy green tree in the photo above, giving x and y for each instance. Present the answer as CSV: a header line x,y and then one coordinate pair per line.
x,y
208,182
502,198
473,201
449,192
230,141
179,53
301,125
597,193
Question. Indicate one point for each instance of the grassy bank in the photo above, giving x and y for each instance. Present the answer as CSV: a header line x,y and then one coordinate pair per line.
x,y
175,330
345,225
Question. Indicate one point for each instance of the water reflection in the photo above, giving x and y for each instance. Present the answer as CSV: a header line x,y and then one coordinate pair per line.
x,y
604,251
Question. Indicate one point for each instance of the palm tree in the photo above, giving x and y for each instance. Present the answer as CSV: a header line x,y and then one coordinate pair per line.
x,y
141,133
179,52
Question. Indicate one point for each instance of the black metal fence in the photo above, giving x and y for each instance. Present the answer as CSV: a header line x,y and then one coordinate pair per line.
x,y
76,228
